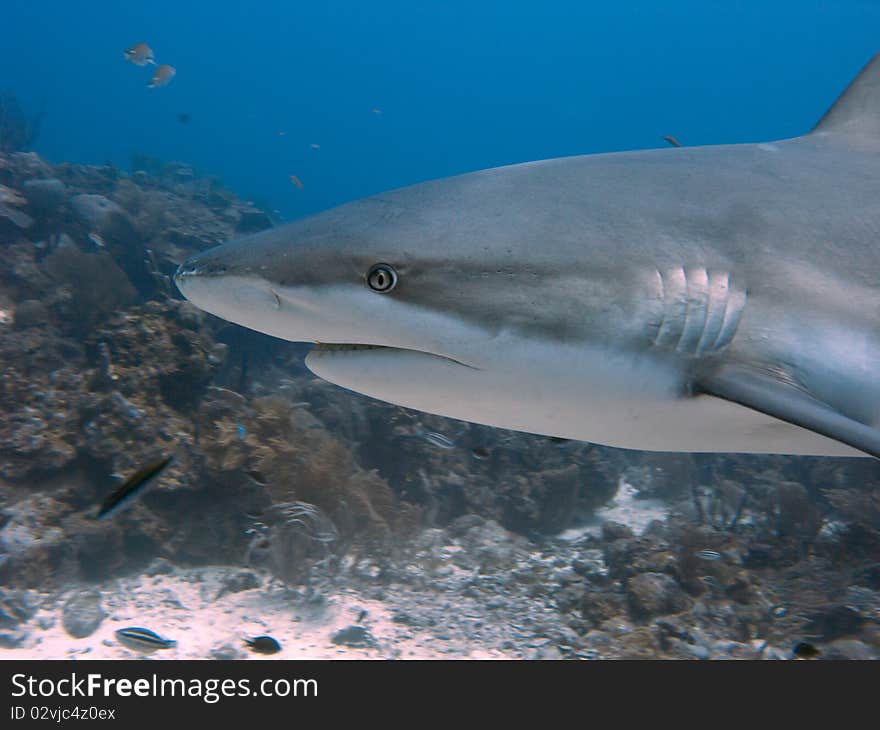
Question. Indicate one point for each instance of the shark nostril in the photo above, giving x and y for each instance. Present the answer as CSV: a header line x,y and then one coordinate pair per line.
x,y
187,268
196,267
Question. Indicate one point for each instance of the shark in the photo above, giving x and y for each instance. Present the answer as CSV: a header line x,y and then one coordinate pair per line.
x,y
719,298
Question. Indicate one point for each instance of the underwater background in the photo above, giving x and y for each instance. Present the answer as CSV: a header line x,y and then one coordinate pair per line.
x,y
338,525
460,85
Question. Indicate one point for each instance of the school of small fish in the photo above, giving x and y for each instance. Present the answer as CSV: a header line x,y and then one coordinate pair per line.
x,y
141,54
147,641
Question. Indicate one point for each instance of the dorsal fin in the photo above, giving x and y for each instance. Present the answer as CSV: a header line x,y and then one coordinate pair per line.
x,y
857,111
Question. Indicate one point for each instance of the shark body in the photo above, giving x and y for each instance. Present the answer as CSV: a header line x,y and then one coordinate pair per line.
x,y
722,298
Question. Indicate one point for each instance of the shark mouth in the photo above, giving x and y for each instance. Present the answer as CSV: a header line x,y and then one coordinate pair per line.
x,y
323,348
331,347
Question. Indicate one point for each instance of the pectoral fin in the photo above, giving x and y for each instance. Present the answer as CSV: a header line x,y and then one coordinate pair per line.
x,y
766,394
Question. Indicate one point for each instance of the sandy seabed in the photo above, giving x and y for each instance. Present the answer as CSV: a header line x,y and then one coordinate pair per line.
x,y
175,607
193,607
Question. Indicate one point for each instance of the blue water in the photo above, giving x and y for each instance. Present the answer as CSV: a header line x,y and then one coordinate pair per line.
x,y
461,85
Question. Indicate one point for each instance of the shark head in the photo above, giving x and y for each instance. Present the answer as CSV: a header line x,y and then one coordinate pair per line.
x,y
357,278
440,297
321,281
719,298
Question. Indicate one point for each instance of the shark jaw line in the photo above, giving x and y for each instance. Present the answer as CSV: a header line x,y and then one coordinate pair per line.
x,y
326,349
296,314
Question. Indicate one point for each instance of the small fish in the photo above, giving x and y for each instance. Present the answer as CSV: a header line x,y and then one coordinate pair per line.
x,y
162,76
377,112
281,134
480,452
315,146
672,140
140,55
361,616
803,650
133,486
437,439
779,611
263,645
711,581
184,118
242,433
296,181
710,555
97,239
135,637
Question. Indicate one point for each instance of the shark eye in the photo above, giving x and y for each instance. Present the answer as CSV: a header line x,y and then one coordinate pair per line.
x,y
381,278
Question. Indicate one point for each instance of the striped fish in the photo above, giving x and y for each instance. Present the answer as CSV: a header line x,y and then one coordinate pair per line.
x,y
133,486
135,637
437,439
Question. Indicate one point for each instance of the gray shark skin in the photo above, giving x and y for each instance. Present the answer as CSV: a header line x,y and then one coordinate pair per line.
x,y
711,299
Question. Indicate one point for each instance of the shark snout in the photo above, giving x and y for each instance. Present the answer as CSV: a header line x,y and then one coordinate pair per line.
x,y
189,267
198,266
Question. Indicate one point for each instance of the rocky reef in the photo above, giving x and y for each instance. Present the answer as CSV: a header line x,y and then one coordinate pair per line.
x,y
319,491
